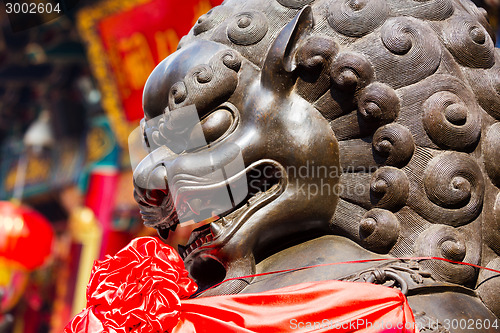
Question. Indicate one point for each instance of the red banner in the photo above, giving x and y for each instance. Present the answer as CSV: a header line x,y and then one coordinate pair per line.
x,y
126,39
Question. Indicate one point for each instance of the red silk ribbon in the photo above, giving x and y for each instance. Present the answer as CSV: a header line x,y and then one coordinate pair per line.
x,y
354,262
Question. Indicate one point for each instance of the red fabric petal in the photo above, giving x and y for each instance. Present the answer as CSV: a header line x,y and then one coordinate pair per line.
x,y
139,289
86,322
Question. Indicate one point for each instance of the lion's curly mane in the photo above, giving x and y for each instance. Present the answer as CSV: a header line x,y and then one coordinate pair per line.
x,y
411,89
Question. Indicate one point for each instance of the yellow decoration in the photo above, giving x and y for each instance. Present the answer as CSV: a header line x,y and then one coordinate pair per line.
x,y
166,41
86,231
13,281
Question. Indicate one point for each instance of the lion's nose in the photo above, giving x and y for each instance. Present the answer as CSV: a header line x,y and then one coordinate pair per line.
x,y
154,190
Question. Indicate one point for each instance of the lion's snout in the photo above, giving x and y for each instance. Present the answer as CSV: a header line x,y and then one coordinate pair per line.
x,y
152,188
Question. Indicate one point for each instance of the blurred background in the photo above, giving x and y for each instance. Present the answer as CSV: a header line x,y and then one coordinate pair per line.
x,y
70,94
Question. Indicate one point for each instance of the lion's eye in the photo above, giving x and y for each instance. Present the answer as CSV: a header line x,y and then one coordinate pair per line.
x,y
216,124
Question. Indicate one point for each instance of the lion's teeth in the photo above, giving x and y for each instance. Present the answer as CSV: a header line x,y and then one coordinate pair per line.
x,y
182,250
216,229
225,222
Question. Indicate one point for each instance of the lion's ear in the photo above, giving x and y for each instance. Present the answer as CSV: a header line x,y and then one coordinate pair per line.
x,y
277,73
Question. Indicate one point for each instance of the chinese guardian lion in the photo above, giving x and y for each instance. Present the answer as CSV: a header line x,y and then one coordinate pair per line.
x,y
366,130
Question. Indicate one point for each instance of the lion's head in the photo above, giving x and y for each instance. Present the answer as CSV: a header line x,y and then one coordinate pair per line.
x,y
376,120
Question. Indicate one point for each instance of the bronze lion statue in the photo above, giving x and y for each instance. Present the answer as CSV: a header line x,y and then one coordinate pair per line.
x,y
363,130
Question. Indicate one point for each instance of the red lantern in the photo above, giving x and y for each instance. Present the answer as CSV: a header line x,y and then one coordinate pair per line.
x,y
25,235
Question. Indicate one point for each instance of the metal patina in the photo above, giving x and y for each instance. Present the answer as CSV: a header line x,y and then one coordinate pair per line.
x,y
367,129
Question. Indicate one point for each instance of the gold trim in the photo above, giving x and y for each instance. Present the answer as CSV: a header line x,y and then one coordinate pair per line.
x,y
87,21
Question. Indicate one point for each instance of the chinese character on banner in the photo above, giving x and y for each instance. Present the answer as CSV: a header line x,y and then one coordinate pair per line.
x,y
126,39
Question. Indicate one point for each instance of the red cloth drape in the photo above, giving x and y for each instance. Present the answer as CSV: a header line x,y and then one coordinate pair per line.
x,y
143,289
325,306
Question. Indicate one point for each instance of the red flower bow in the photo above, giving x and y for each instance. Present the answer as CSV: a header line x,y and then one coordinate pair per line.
x,y
138,289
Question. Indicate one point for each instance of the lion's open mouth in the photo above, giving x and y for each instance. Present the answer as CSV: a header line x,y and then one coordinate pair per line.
x,y
205,234
265,180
